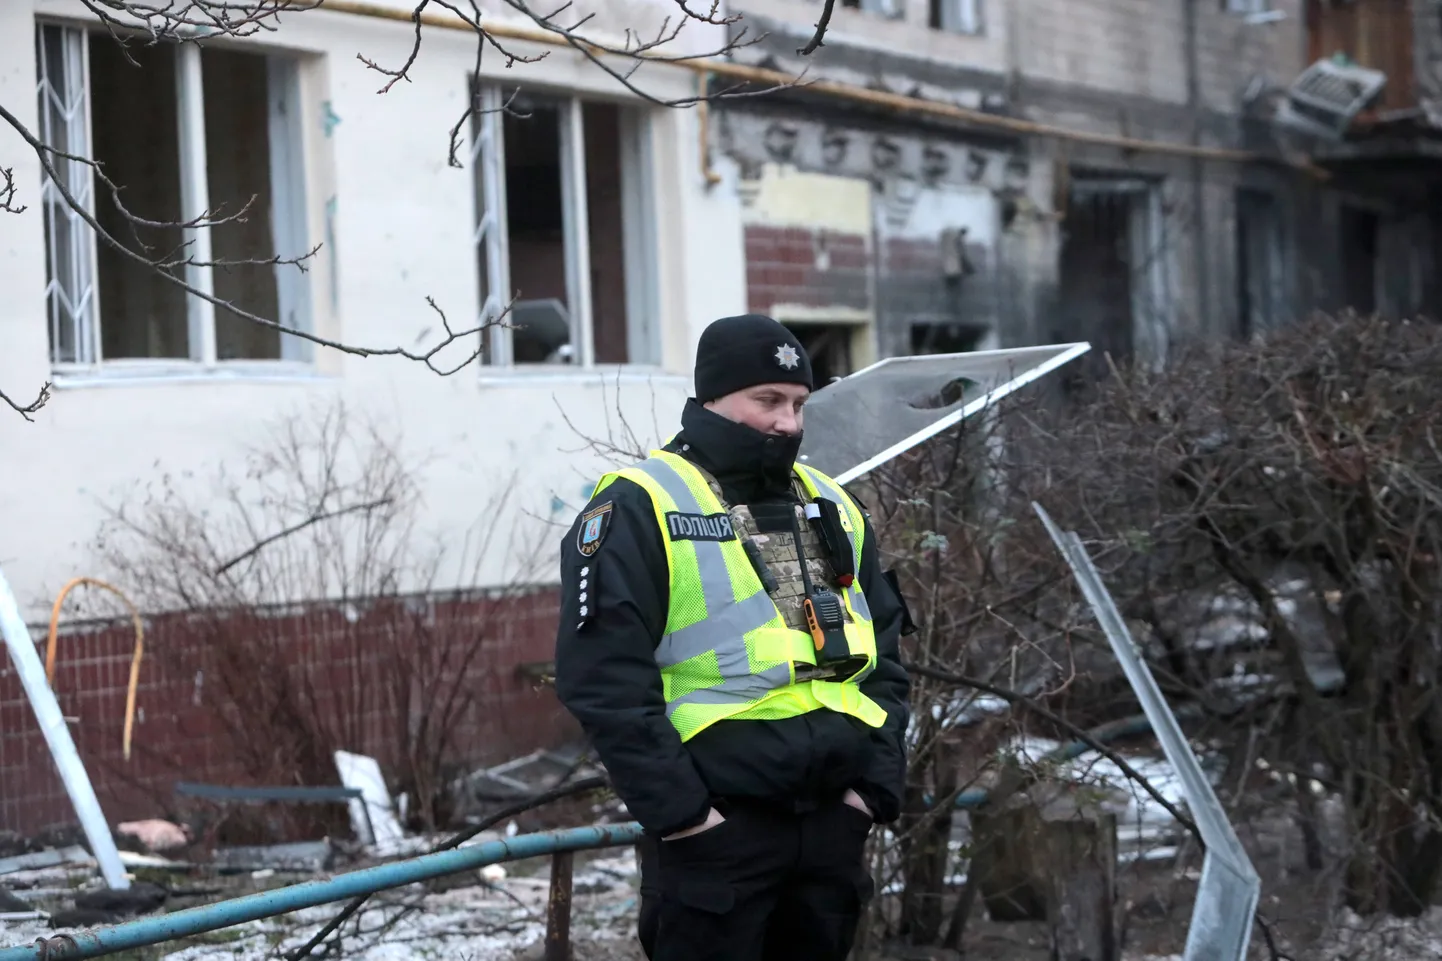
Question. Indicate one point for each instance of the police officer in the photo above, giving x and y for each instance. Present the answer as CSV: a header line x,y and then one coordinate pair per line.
x,y
728,641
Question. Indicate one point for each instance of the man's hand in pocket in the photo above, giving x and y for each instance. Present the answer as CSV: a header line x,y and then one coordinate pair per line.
x,y
713,818
855,800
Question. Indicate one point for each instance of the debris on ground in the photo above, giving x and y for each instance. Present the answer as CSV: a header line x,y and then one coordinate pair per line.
x,y
519,778
373,816
155,835
307,857
497,918
51,857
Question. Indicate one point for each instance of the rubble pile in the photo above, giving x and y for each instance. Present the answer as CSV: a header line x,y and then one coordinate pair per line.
x,y
52,883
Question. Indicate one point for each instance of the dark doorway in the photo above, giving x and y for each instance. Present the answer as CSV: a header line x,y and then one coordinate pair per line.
x,y
1258,243
1357,242
1095,302
829,347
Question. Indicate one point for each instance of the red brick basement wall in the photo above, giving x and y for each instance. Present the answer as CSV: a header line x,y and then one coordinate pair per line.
x,y
220,699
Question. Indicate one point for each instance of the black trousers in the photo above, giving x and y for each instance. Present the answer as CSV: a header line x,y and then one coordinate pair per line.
x,y
764,885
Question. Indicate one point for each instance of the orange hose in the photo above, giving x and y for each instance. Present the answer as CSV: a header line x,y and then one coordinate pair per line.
x,y
134,661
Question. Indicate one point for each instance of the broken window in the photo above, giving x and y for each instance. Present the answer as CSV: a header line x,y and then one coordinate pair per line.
x,y
1259,263
219,132
1114,281
563,235
829,347
956,16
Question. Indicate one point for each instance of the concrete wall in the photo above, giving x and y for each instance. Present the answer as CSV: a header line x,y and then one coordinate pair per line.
x,y
1173,72
1138,48
402,221
908,35
846,223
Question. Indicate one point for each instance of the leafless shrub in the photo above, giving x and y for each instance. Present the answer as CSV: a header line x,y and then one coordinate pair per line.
x,y
1301,475
1266,516
327,620
1002,651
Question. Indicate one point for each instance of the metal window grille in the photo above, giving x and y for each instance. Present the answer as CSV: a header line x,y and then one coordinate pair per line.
x,y
62,54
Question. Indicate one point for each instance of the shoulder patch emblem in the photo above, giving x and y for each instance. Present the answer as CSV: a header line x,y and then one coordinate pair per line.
x,y
594,524
700,527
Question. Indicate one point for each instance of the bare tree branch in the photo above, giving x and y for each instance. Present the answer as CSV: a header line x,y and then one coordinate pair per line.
x,y
25,410
316,518
821,24
7,192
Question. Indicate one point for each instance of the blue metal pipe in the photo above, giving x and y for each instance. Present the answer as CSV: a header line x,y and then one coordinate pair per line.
x,y
223,914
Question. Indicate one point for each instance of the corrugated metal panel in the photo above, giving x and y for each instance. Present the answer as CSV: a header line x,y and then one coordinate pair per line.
x,y
1376,34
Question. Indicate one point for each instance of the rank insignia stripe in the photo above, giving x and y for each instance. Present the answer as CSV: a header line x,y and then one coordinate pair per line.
x,y
700,527
594,524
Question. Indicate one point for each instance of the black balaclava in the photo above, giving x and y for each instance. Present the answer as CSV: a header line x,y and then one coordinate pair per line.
x,y
735,353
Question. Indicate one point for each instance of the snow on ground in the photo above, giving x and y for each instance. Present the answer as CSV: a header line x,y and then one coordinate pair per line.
x,y
1382,939
492,921
1142,810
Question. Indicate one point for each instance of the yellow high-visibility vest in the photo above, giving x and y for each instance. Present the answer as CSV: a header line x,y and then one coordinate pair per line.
x,y
727,652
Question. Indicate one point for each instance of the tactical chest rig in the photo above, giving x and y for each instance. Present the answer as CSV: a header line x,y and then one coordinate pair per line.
x,y
801,552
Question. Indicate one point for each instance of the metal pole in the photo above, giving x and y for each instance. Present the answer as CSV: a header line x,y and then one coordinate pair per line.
x,y
558,908
57,736
224,914
1227,895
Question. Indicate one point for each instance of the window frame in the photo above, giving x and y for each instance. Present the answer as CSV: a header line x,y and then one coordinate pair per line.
x,y
954,16
887,9
287,143
638,226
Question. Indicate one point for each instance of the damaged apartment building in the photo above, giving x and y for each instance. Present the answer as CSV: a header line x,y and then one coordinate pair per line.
x,y
1125,172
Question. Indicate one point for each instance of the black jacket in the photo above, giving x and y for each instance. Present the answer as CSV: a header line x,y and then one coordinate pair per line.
x,y
606,673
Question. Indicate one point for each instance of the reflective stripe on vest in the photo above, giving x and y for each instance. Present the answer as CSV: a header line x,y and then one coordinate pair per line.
x,y
726,651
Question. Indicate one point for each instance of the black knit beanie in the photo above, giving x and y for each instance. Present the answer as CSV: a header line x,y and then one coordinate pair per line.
x,y
739,352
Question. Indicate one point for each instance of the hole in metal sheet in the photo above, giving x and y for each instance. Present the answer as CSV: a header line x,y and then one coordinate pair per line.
x,y
949,395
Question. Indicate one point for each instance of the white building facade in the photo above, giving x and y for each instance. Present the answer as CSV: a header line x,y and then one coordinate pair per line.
x,y
582,198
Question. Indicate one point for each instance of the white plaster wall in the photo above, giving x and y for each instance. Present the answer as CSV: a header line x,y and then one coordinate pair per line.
x,y
927,211
404,232
787,197
605,20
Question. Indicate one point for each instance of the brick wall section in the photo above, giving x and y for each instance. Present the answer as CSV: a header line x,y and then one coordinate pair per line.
x,y
912,289
188,728
782,268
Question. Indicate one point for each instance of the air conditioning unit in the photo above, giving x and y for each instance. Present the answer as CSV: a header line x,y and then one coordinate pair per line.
x,y
1327,96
